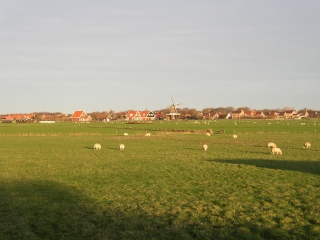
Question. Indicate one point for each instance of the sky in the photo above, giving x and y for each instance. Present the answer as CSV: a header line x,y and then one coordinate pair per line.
x,y
101,55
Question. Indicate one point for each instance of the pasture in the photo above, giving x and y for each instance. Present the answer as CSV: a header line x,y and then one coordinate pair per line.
x,y
54,185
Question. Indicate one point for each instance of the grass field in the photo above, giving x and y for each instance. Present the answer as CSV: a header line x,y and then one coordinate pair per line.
x,y
54,185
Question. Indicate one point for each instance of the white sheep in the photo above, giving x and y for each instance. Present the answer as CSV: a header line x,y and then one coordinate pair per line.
x,y
121,146
234,136
208,134
147,135
276,151
205,147
307,145
97,146
272,145
125,134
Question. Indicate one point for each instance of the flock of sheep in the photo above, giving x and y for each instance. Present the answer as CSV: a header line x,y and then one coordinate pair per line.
x,y
274,149
97,146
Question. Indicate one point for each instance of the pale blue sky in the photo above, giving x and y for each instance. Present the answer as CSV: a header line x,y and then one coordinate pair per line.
x,y
97,55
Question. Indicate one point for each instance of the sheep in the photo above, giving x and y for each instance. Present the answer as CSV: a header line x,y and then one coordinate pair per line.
x,y
307,145
208,134
125,134
97,146
147,135
209,131
272,145
121,146
205,147
234,136
276,151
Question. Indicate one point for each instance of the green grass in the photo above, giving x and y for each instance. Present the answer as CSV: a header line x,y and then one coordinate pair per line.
x,y
53,185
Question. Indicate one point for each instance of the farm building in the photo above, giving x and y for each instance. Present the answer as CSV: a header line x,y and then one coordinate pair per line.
x,y
80,116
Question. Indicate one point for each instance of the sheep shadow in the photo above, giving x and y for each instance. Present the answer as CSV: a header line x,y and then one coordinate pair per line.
x,y
51,210
299,166
89,148
111,148
114,148
194,148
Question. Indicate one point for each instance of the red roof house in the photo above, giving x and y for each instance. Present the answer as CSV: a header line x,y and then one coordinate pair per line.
x,y
140,115
133,115
80,116
147,115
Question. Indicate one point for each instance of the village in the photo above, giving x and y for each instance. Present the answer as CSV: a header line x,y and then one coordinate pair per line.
x,y
80,116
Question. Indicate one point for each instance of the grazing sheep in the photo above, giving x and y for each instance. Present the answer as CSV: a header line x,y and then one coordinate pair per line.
x,y
272,145
276,151
208,134
205,147
209,131
121,146
307,145
125,134
234,136
147,135
97,146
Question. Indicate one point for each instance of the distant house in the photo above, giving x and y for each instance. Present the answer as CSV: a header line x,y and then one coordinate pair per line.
x,y
22,118
250,114
314,114
160,116
289,114
103,117
237,114
260,114
303,114
272,115
62,118
45,117
133,115
147,115
80,116
210,115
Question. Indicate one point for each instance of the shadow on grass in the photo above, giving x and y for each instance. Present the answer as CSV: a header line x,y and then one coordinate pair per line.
x,y
49,210
114,148
111,148
300,166
89,148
